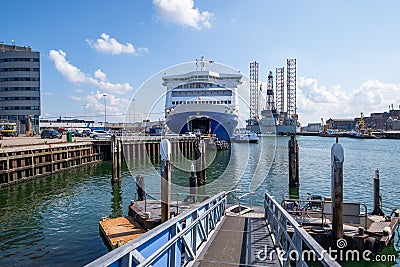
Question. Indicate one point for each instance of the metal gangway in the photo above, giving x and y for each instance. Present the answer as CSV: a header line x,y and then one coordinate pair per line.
x,y
212,234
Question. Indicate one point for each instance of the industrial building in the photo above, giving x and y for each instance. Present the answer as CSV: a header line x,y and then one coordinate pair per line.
x,y
379,121
20,87
341,124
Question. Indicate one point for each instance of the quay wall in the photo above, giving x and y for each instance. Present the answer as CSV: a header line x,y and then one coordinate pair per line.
x,y
22,163
134,149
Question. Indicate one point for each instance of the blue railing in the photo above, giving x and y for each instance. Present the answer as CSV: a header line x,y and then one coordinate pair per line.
x,y
176,242
280,221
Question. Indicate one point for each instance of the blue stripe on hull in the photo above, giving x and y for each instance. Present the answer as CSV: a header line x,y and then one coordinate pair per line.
x,y
222,125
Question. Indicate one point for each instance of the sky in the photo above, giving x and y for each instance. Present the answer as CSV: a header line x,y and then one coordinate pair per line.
x,y
347,52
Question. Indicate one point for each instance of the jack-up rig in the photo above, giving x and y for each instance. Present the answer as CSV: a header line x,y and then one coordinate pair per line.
x,y
274,119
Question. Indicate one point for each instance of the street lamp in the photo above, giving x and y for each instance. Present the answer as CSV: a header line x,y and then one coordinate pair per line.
x,y
133,110
84,112
105,110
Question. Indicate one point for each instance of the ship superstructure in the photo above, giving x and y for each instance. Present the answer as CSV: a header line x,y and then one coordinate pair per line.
x,y
202,100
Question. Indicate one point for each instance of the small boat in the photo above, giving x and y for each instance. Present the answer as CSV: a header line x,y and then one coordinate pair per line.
x,y
332,133
245,137
374,230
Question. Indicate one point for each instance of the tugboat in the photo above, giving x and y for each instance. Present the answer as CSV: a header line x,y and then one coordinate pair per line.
x,y
362,131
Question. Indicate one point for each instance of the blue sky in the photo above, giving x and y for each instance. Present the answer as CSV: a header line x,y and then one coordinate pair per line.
x,y
347,52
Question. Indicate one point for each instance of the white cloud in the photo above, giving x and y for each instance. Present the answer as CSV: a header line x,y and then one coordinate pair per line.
x,y
78,90
182,12
108,45
94,105
75,75
76,98
72,73
47,93
100,75
115,105
315,102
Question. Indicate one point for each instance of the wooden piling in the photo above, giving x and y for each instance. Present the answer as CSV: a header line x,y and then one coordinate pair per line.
x,y
377,198
165,152
337,159
293,162
140,188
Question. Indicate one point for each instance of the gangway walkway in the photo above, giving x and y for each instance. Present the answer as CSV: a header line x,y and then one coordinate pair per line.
x,y
243,240
208,235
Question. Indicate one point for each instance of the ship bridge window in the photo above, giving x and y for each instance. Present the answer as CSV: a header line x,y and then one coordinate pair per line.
x,y
229,102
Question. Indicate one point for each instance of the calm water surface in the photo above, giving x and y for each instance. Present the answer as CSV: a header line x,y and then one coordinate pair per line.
x,y
53,221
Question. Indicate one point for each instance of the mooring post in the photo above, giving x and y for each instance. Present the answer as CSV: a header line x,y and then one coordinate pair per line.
x,y
293,162
377,198
119,151
197,156
193,183
116,159
140,188
203,163
165,153
337,159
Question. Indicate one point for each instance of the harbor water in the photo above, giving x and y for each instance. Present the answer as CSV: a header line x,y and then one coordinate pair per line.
x,y
53,221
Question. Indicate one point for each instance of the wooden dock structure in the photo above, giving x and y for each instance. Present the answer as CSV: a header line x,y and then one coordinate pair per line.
x,y
118,231
135,147
21,163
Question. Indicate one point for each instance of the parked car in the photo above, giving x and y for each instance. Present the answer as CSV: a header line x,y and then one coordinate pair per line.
x,y
99,134
50,134
85,133
78,134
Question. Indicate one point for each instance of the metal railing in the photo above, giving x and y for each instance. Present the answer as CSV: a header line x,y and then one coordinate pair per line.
x,y
176,199
177,242
312,208
280,221
245,195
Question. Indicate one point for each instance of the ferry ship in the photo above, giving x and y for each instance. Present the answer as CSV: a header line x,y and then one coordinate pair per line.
x,y
202,100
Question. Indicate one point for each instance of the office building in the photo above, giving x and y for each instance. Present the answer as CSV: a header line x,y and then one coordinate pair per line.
x,y
19,86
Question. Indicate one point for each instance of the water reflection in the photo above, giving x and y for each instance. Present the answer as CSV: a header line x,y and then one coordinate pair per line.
x,y
116,200
45,221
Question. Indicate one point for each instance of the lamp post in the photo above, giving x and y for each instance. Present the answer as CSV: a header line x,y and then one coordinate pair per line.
x,y
133,109
105,110
84,112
